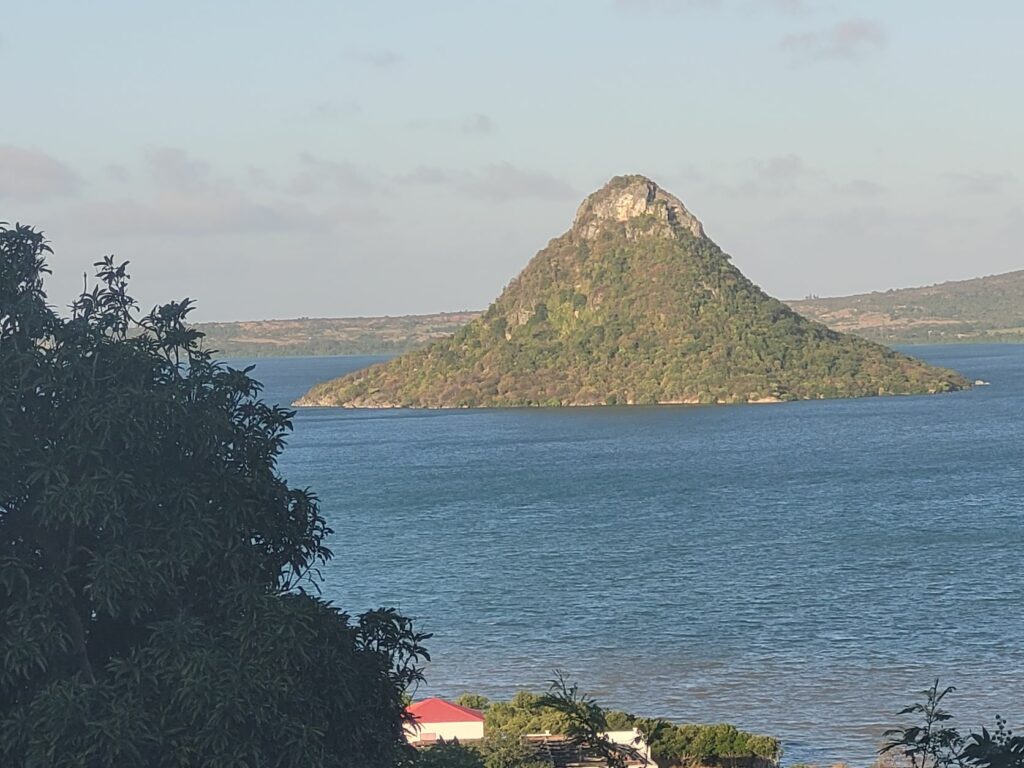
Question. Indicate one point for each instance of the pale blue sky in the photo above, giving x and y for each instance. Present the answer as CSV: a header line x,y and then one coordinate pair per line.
x,y
278,159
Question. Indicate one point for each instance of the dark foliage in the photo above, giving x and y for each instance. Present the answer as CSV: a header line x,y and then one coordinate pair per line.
x,y
449,754
154,565
935,743
586,724
996,749
671,744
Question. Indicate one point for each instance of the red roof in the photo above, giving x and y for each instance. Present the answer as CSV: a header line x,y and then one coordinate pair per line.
x,y
436,710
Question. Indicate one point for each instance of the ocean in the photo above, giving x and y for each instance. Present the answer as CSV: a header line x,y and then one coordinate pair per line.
x,y
801,570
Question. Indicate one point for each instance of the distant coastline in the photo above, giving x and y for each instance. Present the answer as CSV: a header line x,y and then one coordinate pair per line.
x,y
241,350
983,310
980,310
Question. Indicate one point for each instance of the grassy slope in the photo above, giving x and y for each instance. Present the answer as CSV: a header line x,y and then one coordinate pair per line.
x,y
983,309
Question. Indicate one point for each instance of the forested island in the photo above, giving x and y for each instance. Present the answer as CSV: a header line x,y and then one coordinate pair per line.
x,y
634,305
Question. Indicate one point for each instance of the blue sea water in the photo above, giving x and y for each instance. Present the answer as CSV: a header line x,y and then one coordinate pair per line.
x,y
800,570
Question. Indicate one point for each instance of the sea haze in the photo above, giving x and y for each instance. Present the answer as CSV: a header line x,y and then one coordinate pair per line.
x,y
800,570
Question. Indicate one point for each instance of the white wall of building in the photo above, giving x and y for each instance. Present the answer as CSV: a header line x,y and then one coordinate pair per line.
x,y
463,731
631,739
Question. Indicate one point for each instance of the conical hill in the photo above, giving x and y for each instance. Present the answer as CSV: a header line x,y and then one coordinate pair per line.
x,y
634,304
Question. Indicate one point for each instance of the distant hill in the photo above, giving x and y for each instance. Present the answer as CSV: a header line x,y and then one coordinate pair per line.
x,y
982,309
634,304
330,336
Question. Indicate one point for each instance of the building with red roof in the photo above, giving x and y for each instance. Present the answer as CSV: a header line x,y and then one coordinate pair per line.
x,y
434,719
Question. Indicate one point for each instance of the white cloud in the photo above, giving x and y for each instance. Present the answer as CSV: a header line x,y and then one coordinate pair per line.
x,y
849,39
381,59
174,170
979,182
782,174
188,216
28,175
318,175
500,182
479,124
861,188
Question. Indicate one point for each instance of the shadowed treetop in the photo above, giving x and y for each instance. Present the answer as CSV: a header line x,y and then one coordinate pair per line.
x,y
154,564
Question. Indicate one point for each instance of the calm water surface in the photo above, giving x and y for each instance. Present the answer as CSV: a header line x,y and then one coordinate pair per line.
x,y
800,569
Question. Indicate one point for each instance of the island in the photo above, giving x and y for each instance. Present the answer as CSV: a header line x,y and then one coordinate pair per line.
x,y
634,304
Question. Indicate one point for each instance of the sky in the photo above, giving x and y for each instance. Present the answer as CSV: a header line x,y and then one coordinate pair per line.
x,y
329,159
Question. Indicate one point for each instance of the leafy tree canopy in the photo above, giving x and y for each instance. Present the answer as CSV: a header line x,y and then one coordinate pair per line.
x,y
154,564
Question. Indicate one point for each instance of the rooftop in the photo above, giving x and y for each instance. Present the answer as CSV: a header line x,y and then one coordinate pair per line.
x,y
434,710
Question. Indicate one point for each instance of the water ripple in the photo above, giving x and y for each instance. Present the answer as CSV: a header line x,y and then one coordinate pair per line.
x,y
799,570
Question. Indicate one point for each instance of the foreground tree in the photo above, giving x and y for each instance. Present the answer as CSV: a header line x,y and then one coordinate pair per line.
x,y
932,744
935,743
154,565
586,723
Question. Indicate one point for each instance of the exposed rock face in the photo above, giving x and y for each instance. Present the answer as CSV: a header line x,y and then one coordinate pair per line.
x,y
634,197
634,305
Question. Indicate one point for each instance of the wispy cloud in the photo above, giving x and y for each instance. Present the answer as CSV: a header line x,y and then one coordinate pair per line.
x,y
781,174
332,110
258,178
117,172
863,188
979,182
28,175
479,124
427,174
499,183
849,39
318,175
188,197
189,216
476,124
786,6
665,5
174,170
504,182
377,59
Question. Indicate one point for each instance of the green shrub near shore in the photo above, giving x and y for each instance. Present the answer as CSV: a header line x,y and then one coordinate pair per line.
x,y
671,744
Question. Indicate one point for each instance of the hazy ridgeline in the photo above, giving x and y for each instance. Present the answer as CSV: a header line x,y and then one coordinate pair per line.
x,y
985,309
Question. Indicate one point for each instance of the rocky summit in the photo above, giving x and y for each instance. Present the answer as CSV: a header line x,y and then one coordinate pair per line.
x,y
634,305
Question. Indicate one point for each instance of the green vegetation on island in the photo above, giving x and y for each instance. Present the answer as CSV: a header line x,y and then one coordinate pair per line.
x,y
634,305
984,309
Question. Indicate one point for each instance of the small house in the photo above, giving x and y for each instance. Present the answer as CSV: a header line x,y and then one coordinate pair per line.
x,y
434,719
